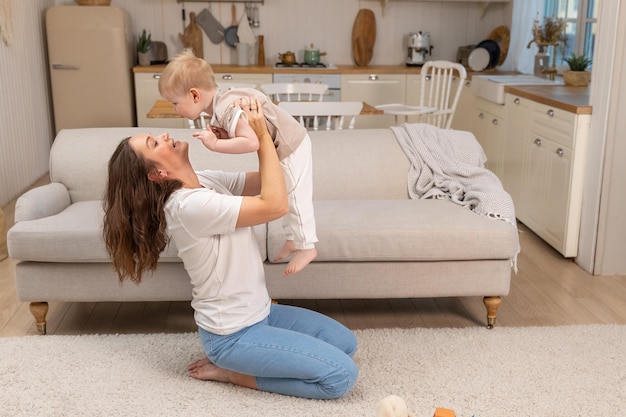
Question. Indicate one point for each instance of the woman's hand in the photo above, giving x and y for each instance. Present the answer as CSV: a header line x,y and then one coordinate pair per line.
x,y
219,132
271,203
254,111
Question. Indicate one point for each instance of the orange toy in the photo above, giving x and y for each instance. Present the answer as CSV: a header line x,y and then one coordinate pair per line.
x,y
444,412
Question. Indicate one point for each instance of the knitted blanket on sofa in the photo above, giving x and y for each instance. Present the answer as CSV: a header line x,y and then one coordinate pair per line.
x,y
449,164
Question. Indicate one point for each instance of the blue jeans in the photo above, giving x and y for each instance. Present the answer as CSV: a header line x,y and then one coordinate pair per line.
x,y
293,351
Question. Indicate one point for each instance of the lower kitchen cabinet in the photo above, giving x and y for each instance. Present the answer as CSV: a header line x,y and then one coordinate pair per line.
x,y
489,129
374,89
553,147
146,94
464,114
516,116
243,78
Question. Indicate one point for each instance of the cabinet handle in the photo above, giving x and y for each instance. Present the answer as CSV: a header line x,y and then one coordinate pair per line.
x,y
550,113
538,142
468,84
227,77
495,121
65,67
517,100
428,77
373,77
559,152
481,115
156,76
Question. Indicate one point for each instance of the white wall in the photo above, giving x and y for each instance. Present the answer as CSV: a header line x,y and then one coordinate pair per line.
x,y
611,227
25,110
294,24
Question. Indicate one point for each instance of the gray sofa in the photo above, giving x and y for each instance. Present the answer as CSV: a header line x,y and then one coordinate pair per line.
x,y
375,242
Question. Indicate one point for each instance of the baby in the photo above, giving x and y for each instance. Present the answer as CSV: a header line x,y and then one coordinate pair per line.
x,y
189,84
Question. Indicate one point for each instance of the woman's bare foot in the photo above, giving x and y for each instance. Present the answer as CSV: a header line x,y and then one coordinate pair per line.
x,y
300,259
205,370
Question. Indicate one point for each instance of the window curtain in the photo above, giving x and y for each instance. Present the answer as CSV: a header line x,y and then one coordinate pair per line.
x,y
520,58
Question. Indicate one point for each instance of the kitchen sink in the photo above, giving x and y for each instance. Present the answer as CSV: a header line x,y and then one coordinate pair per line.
x,y
491,87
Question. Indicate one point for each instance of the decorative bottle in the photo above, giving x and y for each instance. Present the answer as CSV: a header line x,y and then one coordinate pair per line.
x,y
261,51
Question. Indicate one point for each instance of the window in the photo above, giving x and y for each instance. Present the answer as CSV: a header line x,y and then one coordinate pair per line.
x,y
580,32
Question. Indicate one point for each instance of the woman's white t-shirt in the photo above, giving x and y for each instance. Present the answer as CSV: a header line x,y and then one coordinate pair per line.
x,y
223,262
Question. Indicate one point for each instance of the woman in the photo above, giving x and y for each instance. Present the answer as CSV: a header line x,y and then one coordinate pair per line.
x,y
153,190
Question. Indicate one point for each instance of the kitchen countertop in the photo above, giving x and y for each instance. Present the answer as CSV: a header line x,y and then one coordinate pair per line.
x,y
571,99
340,69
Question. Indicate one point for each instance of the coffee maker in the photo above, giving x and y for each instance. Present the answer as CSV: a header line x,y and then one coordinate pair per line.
x,y
418,46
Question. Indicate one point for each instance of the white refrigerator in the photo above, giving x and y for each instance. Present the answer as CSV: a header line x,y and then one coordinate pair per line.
x,y
90,58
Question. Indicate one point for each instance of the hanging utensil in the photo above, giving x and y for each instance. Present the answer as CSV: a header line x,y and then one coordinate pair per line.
x,y
213,29
230,34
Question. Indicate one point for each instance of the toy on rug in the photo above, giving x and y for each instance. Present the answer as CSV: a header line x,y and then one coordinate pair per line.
x,y
394,406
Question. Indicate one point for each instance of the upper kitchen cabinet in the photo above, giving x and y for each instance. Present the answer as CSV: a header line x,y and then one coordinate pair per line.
x,y
374,89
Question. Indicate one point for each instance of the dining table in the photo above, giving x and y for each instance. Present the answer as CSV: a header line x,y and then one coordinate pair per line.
x,y
163,109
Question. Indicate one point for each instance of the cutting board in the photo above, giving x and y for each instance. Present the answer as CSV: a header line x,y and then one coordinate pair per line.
x,y
363,37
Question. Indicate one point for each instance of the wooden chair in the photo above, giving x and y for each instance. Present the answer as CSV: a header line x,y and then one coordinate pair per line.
x,y
279,92
335,112
438,100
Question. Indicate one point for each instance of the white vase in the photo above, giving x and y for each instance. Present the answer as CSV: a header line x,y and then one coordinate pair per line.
x,y
143,58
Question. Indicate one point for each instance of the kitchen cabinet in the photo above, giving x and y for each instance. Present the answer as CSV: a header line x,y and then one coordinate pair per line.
x,y
146,94
413,95
517,117
464,115
374,89
553,151
489,129
244,78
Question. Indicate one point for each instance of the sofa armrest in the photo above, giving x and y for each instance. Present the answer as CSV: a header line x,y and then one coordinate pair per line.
x,y
46,200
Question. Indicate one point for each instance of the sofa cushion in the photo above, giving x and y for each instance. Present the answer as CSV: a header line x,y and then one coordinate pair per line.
x,y
403,230
75,235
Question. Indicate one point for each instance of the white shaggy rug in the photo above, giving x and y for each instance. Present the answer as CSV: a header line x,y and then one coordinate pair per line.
x,y
524,371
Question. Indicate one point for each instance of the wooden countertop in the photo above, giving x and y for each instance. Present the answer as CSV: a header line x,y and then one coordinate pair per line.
x,y
341,69
571,99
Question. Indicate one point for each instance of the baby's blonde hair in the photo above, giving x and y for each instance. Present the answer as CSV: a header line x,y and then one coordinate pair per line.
x,y
186,71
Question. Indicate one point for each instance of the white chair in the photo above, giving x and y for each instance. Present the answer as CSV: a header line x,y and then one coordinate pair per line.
x,y
279,92
438,100
222,86
335,111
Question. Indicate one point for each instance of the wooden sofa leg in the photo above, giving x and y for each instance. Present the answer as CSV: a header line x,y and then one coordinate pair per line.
x,y
39,311
492,304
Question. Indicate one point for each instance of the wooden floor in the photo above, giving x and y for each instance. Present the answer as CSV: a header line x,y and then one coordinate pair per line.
x,y
548,290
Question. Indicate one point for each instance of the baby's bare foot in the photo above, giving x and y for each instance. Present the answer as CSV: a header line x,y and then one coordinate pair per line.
x,y
288,248
301,259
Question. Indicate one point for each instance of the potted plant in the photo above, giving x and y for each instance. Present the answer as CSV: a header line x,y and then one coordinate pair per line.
x,y
143,48
577,74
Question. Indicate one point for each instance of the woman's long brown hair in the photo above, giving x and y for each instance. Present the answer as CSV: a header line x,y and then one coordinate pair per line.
x,y
135,230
